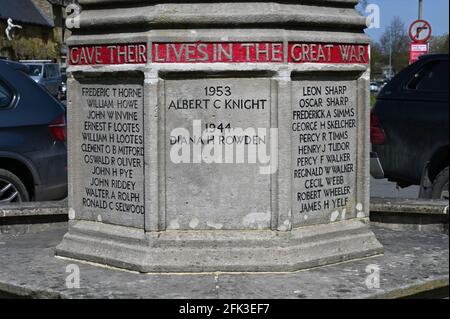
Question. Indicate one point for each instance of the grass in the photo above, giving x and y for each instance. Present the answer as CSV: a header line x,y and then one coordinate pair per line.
x,y
373,99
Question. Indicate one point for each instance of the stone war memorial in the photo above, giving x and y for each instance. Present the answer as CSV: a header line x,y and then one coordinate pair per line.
x,y
209,136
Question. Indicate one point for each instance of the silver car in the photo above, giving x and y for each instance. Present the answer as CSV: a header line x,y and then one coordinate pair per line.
x,y
374,87
46,74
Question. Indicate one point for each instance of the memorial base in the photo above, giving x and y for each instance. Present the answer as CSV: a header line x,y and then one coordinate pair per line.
x,y
218,251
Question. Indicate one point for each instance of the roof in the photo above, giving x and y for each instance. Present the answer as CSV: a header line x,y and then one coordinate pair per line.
x,y
23,11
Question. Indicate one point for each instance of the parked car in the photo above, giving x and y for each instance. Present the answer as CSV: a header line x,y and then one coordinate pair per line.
x,y
382,84
33,151
46,74
410,128
63,95
374,87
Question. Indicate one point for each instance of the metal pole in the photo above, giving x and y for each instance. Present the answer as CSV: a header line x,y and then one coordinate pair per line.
x,y
420,9
390,54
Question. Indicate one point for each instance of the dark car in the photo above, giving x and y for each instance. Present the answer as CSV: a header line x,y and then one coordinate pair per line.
x,y
33,151
410,128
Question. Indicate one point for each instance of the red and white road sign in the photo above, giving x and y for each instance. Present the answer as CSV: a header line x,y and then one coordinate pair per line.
x,y
417,50
420,31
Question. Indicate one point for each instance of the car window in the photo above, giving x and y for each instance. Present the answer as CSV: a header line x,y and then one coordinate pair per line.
x,y
51,71
35,69
6,96
57,71
46,71
432,77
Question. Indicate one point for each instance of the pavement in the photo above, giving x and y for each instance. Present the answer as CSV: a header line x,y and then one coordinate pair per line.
x,y
413,263
386,189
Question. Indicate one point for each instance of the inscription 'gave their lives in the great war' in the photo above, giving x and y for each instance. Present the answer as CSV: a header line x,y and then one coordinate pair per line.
x,y
112,149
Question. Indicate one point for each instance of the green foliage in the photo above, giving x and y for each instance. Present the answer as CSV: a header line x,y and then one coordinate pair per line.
x,y
439,44
30,48
377,60
373,100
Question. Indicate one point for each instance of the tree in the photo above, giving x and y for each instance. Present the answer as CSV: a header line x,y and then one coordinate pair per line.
x,y
33,48
377,60
439,44
397,33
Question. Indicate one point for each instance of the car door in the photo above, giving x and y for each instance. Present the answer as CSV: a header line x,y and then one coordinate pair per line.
x,y
422,118
8,139
6,96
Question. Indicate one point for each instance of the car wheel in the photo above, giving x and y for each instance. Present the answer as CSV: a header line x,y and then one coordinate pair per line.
x,y
12,190
440,185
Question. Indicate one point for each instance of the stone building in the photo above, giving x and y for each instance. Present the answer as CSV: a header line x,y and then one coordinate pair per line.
x,y
42,35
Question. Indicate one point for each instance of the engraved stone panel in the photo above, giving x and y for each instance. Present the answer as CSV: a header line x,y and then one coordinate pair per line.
x,y
215,133
324,148
111,154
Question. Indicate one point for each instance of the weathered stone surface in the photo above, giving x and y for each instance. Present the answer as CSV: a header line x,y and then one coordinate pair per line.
x,y
412,206
226,250
312,14
33,209
406,214
228,66
413,263
32,217
238,195
110,156
324,150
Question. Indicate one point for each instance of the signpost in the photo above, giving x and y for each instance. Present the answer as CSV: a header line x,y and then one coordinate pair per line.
x,y
420,33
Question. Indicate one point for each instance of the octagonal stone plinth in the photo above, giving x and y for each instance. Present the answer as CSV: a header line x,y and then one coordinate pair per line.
x,y
218,136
